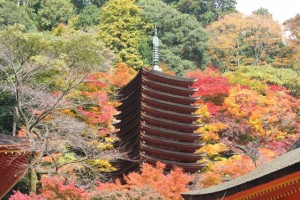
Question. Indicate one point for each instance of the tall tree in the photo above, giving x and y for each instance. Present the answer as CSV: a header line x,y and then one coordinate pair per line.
x,y
263,36
183,41
262,11
88,17
53,12
39,71
120,30
81,4
226,45
207,11
238,39
292,26
11,14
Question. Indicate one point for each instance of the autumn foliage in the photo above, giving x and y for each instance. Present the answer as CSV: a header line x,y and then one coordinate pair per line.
x,y
212,88
151,181
54,188
169,186
242,127
210,82
121,75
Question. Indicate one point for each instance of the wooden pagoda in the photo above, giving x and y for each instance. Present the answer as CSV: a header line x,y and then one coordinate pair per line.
x,y
277,180
13,162
156,122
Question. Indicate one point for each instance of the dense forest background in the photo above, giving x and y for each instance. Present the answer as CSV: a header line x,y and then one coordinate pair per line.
x,y
61,62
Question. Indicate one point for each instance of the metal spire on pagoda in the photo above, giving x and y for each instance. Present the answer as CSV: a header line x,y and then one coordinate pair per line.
x,y
155,51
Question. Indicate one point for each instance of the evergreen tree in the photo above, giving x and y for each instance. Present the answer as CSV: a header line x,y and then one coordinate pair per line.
x,y
88,17
120,30
262,11
206,11
81,4
183,40
11,14
53,12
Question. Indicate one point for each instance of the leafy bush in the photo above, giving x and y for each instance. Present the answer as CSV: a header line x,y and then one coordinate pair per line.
x,y
266,74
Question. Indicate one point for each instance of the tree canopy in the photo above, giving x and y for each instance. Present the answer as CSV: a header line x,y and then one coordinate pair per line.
x,y
11,14
183,40
120,29
53,12
237,39
206,11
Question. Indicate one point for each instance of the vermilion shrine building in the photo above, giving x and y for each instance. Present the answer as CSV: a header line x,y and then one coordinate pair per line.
x,y
277,180
13,162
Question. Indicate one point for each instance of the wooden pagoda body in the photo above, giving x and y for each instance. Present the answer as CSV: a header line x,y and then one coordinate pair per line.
x,y
13,162
156,122
277,180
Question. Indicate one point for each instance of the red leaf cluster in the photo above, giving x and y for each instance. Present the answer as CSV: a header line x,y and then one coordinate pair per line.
x,y
54,188
210,82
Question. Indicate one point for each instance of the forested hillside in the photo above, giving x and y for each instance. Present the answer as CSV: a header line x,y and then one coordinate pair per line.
x,y
61,62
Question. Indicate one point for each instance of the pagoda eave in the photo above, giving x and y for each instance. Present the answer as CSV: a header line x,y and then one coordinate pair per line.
x,y
188,167
175,107
170,115
158,152
171,144
166,96
168,133
160,122
172,89
165,78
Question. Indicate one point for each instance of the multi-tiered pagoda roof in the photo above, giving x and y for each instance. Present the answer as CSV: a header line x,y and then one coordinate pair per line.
x,y
157,122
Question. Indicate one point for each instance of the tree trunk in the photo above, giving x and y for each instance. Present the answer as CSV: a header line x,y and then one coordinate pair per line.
x,y
238,55
15,116
32,180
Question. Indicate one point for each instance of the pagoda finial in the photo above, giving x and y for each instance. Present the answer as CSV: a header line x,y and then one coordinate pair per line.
x,y
155,51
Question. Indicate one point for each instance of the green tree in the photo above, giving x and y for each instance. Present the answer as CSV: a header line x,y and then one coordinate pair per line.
x,y
266,74
32,66
81,4
183,41
11,14
7,105
207,11
88,17
53,12
121,29
262,11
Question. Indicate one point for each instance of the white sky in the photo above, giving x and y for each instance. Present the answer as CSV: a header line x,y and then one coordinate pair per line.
x,y
281,10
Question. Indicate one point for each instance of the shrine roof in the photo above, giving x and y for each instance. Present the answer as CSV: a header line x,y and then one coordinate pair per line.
x,y
9,140
281,166
14,156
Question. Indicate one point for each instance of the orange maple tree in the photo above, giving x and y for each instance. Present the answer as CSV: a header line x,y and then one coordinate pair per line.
x,y
170,185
